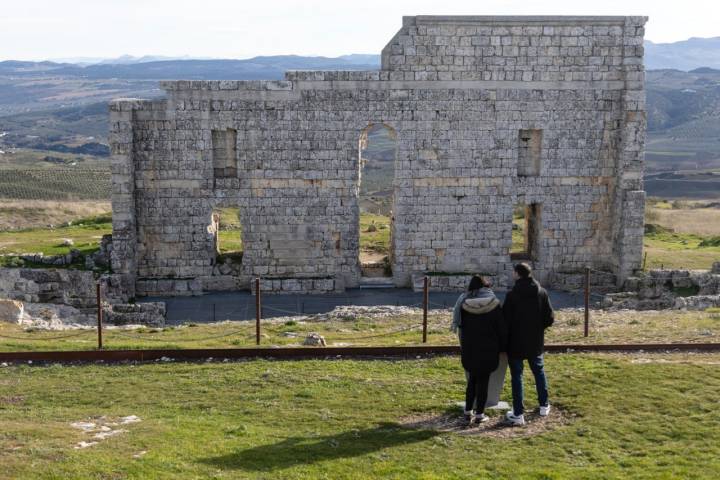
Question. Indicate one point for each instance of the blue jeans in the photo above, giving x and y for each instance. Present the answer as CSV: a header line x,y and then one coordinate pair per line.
x,y
516,373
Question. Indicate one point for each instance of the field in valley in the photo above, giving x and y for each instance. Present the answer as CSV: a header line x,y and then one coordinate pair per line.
x,y
681,234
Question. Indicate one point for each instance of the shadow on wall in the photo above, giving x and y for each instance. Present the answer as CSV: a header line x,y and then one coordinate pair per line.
x,y
308,450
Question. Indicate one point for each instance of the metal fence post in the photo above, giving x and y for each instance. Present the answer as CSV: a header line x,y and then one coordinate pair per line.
x,y
258,311
425,309
99,317
587,300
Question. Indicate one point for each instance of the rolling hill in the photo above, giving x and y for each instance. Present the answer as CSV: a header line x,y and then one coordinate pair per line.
x,y
51,110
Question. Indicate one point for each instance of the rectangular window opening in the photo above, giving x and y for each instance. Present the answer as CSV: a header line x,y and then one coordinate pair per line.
x,y
529,152
224,152
525,232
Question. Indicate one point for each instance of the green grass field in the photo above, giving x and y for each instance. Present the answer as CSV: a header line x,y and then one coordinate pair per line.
x,y
86,235
615,416
664,248
605,327
377,241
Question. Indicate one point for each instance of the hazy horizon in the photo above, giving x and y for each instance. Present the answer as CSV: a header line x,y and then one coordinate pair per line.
x,y
44,29
72,58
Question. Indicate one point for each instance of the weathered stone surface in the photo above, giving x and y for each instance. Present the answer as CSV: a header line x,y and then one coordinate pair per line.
x,y
54,316
11,311
458,93
632,301
101,258
446,283
660,289
314,340
697,302
61,259
45,285
149,313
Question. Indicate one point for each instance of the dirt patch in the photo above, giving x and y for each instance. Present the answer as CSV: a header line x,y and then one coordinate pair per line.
x,y
12,400
496,427
369,256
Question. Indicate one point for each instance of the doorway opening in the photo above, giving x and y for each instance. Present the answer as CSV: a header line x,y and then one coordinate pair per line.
x,y
377,151
525,231
226,229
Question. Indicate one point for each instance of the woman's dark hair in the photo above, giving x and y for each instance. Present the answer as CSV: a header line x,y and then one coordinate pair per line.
x,y
477,282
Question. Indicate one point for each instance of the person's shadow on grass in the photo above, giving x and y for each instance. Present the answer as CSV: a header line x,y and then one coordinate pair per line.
x,y
308,450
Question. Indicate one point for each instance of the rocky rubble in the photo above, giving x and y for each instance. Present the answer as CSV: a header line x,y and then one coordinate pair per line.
x,y
101,258
151,314
46,316
669,289
69,258
75,288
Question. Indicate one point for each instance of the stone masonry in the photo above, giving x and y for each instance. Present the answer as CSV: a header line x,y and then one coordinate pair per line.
x,y
488,113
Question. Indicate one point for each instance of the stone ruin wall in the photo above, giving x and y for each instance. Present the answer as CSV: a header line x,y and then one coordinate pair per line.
x,y
458,93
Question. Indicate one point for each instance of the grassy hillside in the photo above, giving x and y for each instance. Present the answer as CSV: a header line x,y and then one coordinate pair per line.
x,y
683,144
682,234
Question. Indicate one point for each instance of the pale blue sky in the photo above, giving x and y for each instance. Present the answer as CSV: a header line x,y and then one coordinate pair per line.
x,y
42,29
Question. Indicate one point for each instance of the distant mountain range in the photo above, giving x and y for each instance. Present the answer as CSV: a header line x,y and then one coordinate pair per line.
x,y
685,55
682,55
257,68
60,108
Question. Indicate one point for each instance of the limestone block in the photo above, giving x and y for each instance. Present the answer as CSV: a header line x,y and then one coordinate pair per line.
x,y
11,311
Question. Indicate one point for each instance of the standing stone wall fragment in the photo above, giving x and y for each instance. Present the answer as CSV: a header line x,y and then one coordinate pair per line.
x,y
459,94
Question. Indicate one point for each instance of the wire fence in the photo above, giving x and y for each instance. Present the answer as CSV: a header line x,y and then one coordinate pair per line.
x,y
269,314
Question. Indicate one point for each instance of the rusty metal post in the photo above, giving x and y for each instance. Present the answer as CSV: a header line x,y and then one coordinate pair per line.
x,y
425,309
99,317
258,311
587,300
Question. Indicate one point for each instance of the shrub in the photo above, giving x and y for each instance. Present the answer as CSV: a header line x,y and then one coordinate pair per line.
x,y
710,242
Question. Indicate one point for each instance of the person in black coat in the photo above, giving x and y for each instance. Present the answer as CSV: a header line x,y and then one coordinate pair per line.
x,y
482,338
528,312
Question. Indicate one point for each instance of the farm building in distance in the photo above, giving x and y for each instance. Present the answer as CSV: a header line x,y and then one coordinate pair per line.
x,y
490,115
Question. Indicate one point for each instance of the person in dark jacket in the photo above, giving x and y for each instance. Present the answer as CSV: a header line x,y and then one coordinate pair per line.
x,y
482,338
528,312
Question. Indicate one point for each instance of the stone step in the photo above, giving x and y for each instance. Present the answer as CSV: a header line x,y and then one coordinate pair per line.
x,y
376,282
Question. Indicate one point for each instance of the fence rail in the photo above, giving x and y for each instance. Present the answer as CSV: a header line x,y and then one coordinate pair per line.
x,y
320,352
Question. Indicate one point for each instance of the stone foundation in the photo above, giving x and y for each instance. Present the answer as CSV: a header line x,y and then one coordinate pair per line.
x,y
448,283
298,285
600,282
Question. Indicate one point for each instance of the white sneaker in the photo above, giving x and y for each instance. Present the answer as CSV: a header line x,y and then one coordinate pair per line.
x,y
515,419
480,418
545,411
